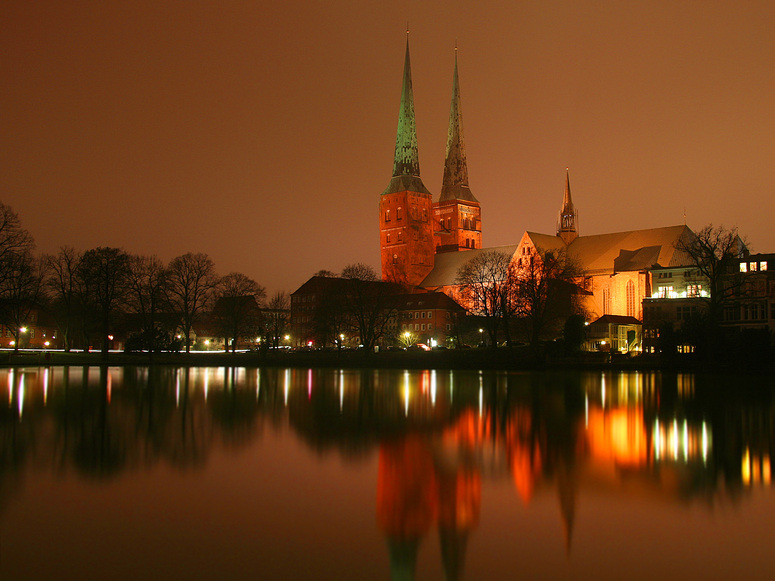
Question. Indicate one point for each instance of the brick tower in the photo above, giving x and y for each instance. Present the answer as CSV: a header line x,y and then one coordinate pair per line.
x,y
457,218
406,205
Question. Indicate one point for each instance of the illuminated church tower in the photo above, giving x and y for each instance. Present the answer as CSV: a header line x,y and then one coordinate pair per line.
x,y
566,223
406,205
457,220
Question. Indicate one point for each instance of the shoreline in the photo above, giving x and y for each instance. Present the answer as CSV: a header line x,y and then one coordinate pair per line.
x,y
506,359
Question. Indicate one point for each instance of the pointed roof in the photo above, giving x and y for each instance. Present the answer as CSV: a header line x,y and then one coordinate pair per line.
x,y
406,164
567,203
455,183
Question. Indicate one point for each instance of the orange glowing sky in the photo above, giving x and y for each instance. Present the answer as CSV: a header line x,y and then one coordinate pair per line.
x,y
262,133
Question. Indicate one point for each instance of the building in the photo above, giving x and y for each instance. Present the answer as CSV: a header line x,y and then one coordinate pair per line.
x,y
431,318
424,243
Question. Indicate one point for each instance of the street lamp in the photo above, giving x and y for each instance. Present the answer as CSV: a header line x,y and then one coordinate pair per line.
x,y
481,337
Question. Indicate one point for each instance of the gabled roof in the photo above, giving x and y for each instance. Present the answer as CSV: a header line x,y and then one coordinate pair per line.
x,y
427,300
615,320
598,253
447,264
545,241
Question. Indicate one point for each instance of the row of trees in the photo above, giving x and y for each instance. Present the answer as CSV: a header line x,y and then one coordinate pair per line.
x,y
93,293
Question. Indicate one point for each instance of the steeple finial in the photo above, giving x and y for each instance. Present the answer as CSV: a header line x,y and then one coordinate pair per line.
x,y
406,159
455,182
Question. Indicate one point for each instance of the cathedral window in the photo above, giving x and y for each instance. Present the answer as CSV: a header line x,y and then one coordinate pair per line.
x,y
606,302
630,299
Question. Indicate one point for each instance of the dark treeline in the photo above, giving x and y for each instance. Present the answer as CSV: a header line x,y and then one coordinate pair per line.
x,y
103,296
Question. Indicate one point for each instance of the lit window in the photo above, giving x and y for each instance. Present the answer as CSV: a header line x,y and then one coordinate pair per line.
x,y
743,267
387,215
763,265
398,214
752,267
388,237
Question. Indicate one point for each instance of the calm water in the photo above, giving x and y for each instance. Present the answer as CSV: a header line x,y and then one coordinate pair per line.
x,y
131,473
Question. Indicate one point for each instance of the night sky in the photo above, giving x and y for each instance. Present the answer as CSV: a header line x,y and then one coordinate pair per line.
x,y
262,133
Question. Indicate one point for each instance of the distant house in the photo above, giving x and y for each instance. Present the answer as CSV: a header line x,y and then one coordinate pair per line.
x,y
615,333
429,317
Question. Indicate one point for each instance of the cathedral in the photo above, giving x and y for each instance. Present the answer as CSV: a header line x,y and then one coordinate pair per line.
x,y
424,242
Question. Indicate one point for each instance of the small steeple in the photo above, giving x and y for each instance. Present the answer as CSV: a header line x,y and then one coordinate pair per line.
x,y
455,183
406,160
566,224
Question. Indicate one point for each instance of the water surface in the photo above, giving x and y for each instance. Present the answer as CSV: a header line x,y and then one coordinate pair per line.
x,y
234,473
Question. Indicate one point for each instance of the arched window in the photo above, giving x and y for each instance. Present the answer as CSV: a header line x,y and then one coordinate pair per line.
x,y
606,302
387,215
630,299
395,259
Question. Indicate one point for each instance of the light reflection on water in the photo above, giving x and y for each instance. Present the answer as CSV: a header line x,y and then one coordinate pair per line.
x,y
422,467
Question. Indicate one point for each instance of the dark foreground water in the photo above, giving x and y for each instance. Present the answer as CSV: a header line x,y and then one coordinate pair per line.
x,y
164,473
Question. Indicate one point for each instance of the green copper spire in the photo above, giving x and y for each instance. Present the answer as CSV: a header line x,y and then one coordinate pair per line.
x,y
406,166
406,160
455,183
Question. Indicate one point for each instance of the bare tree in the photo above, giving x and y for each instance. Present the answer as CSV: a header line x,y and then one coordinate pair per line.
x,y
368,302
483,286
14,241
191,280
276,317
714,251
103,275
21,292
238,307
145,298
544,293
61,285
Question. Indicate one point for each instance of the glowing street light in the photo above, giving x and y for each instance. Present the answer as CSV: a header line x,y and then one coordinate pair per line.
x,y
23,329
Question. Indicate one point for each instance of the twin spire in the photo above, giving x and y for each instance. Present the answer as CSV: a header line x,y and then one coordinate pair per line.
x,y
406,164
455,182
407,161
